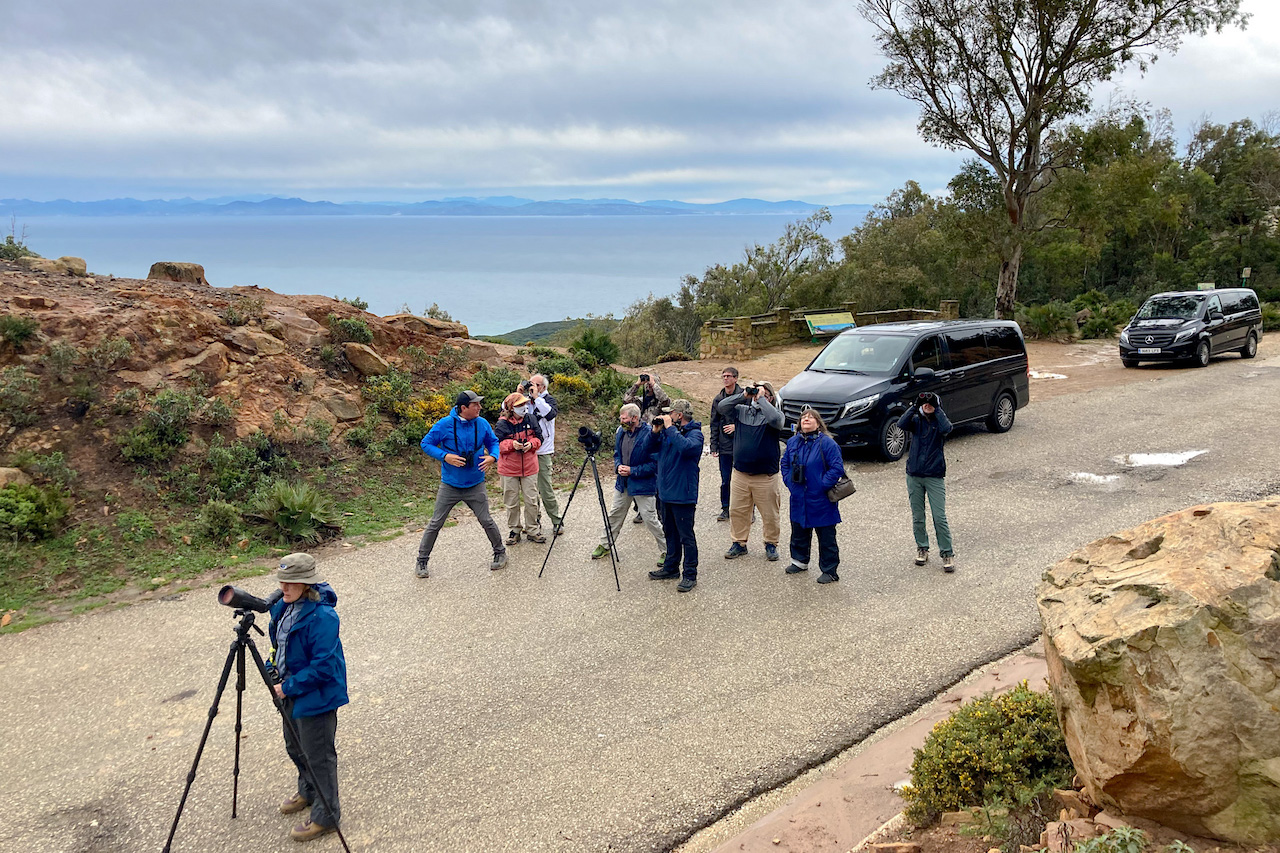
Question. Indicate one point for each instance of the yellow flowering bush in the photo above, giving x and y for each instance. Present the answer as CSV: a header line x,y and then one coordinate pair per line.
x,y
572,388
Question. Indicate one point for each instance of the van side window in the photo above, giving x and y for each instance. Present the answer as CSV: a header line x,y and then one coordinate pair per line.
x,y
967,347
1250,302
1003,342
928,353
1214,305
1231,303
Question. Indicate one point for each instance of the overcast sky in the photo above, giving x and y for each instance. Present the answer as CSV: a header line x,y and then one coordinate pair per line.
x,y
418,99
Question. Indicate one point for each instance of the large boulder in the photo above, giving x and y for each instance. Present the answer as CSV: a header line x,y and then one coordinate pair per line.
x,y
427,325
1163,646
65,265
178,271
365,360
13,477
295,327
211,363
255,341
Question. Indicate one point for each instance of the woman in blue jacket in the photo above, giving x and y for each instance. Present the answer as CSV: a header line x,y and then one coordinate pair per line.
x,y
313,685
811,464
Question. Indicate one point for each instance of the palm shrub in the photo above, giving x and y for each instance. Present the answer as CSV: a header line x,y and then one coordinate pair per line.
x,y
295,513
1053,321
31,512
1098,327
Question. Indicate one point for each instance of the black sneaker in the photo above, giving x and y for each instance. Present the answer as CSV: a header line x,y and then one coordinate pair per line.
x,y
735,551
724,514
793,569
664,574
421,569
771,552
828,577
686,585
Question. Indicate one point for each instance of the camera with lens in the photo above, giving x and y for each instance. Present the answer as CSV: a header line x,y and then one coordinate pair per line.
x,y
237,599
589,439
526,386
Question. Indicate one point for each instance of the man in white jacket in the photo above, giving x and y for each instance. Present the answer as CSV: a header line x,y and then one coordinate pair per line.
x,y
545,411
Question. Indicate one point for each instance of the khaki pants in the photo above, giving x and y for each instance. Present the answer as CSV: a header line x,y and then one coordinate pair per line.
x,y
546,492
512,489
618,514
764,492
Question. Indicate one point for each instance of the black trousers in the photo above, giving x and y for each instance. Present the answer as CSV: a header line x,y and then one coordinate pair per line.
x,y
726,474
318,735
677,526
828,550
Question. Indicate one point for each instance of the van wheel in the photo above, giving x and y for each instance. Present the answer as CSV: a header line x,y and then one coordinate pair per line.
x,y
1201,358
1129,362
1001,417
1250,348
893,440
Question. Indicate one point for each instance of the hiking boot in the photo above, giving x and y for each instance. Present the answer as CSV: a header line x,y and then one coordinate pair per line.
x,y
307,830
828,577
558,529
736,550
724,514
686,585
771,552
662,559
664,574
796,568
294,804
600,551
421,571
513,537
499,561
638,519
922,556
949,563
536,536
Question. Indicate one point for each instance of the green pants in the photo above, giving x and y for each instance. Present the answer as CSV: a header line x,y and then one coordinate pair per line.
x,y
546,492
936,489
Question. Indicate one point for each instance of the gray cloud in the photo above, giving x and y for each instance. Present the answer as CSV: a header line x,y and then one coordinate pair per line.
x,y
404,99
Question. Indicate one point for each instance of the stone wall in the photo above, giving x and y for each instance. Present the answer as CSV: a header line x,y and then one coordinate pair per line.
x,y
747,337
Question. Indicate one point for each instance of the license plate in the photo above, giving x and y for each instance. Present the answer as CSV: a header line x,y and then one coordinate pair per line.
x,y
1148,350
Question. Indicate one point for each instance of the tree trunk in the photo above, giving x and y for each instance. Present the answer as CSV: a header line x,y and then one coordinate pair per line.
x,y
1007,287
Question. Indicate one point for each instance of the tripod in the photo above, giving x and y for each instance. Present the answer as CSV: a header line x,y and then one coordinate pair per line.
x,y
604,514
244,640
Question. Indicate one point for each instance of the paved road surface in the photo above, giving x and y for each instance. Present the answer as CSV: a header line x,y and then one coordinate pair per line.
x,y
497,711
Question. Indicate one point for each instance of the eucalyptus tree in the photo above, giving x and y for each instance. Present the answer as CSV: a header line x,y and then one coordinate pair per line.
x,y
997,77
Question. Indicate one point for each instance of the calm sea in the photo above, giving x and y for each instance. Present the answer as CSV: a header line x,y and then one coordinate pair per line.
x,y
495,274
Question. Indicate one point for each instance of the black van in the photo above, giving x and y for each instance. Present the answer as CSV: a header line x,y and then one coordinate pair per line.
x,y
867,377
1193,325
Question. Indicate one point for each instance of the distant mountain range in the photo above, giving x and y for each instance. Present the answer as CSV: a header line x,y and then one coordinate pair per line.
x,y
464,206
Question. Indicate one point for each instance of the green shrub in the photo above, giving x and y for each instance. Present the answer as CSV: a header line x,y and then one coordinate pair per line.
x,y
991,749
61,359
239,468
241,311
570,390
220,522
135,526
415,357
1270,316
164,428
126,401
540,351
1124,839
18,391
105,355
598,344
356,302
450,360
50,468
328,355
435,312
315,430
675,355
1098,327
216,411
15,247
1053,321
609,386
31,512
555,363
295,513
353,329
17,330
387,391
1093,300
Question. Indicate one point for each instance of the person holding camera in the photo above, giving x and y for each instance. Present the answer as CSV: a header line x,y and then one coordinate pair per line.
x,y
757,452
545,408
518,443
926,476
722,427
307,654
467,448
679,448
811,465
646,392
636,468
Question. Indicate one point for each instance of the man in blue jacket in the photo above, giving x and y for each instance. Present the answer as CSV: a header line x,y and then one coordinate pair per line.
x,y
636,468
467,448
307,654
926,476
679,440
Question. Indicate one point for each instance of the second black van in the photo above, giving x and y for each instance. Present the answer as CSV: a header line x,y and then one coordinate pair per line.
x,y
865,378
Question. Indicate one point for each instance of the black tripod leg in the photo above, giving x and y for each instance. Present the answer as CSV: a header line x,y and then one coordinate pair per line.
x,y
608,528
235,772
564,513
236,651
292,732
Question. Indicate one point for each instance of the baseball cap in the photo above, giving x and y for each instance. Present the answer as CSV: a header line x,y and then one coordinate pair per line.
x,y
684,407
466,398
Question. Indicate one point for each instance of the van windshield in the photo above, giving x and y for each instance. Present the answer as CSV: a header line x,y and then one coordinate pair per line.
x,y
862,352
1170,307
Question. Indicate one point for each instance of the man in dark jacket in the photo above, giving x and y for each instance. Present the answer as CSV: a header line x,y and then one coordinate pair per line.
x,y
721,438
757,452
926,476
636,468
307,654
679,440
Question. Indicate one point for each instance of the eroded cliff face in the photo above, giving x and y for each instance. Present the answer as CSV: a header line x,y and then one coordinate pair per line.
x,y
1163,644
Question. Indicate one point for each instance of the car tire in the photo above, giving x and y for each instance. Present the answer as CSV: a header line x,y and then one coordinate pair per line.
x,y
1002,413
1250,348
1201,356
1129,362
893,440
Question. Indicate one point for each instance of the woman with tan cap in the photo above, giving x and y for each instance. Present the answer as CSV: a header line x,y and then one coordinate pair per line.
x,y
518,441
308,656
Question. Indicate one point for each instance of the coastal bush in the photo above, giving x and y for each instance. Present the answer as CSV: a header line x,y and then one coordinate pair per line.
x,y
353,329
48,468
18,390
991,749
435,312
105,355
16,331
31,512
295,513
356,302
571,390
15,247
1053,321
217,411
244,309
61,360
555,363
595,345
239,468
415,358
609,385
126,401
219,522
674,355
164,428
450,360
1270,316
386,391
1123,839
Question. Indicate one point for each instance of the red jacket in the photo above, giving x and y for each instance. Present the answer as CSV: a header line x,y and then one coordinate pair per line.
x,y
512,462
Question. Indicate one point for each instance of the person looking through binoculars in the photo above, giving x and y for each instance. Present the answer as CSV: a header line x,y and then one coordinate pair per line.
x,y
927,476
679,446
646,392
518,443
757,452
313,686
636,467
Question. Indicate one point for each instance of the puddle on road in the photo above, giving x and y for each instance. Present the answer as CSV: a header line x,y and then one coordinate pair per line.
x,y
1036,374
1165,460
1093,479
